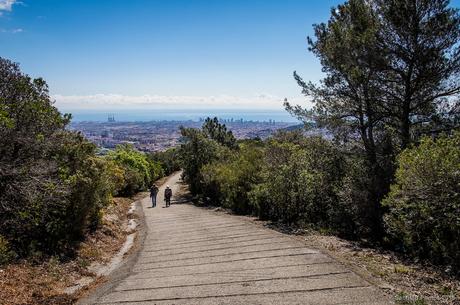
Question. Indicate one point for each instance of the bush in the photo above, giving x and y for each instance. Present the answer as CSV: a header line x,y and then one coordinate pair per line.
x,y
424,202
139,172
90,184
117,176
229,182
201,147
196,152
6,255
52,185
56,210
168,159
355,216
299,183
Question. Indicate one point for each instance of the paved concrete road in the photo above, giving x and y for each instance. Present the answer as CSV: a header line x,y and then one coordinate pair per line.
x,y
196,256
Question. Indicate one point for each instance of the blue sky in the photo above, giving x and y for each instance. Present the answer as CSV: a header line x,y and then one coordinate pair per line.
x,y
98,54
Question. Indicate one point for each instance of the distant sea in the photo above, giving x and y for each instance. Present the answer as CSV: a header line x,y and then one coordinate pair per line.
x,y
178,115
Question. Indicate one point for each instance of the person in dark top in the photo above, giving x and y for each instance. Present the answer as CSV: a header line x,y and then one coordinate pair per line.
x,y
153,195
168,195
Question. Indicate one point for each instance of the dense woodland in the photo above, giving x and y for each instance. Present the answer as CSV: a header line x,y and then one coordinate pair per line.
x,y
388,177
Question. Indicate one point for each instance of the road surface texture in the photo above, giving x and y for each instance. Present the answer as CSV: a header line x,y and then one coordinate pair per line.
x,y
192,255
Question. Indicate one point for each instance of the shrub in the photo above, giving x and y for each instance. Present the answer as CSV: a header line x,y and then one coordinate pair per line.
x,y
139,172
54,206
117,176
168,159
229,182
299,182
355,215
89,183
424,202
6,255
52,186
197,151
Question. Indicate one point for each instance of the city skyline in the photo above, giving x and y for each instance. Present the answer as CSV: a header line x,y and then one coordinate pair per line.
x,y
161,135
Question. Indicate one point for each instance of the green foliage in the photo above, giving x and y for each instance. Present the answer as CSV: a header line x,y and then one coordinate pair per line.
x,y
5,121
168,159
229,182
52,213
299,183
139,171
291,178
402,298
117,176
90,186
6,255
358,213
218,132
420,74
196,152
390,65
348,101
424,202
52,186
201,147
391,75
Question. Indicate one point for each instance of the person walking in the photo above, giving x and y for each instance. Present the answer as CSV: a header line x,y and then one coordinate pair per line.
x,y
153,195
168,195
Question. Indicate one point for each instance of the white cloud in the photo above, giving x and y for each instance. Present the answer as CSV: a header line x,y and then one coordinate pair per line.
x,y
117,101
12,31
6,5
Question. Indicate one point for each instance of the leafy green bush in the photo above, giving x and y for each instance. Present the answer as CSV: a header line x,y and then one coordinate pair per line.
x,y
356,215
90,184
117,176
229,182
424,202
195,152
139,171
299,182
168,159
52,185
201,147
51,213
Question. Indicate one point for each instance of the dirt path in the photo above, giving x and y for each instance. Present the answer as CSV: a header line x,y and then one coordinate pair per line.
x,y
196,256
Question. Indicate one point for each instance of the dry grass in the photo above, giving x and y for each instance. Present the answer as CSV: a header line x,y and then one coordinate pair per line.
x,y
25,283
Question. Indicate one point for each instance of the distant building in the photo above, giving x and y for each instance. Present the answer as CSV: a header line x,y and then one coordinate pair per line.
x,y
111,118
